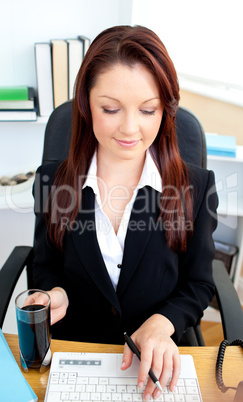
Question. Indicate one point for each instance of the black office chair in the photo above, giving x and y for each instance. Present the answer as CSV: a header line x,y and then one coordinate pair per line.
x,y
191,139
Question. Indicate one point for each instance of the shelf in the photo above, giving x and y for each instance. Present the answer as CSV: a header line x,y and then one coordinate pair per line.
x,y
40,120
238,158
17,198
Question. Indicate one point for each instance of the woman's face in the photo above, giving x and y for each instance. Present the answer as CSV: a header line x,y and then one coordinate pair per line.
x,y
126,111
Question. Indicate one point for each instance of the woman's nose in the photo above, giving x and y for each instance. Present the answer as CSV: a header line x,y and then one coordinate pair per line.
x,y
129,124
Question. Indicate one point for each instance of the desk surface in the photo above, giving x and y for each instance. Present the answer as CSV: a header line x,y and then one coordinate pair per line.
x,y
204,359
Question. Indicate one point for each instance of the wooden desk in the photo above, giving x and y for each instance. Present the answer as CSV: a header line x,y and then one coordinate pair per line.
x,y
204,359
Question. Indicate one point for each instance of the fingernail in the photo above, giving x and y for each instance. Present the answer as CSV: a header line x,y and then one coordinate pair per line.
x,y
147,397
123,364
157,394
140,385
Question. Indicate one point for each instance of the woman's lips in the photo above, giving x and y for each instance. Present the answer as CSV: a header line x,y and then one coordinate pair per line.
x,y
127,144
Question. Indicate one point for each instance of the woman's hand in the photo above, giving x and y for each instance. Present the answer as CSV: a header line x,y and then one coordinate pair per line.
x,y
158,352
59,302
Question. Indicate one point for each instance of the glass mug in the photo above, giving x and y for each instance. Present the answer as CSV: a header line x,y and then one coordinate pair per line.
x,y
33,321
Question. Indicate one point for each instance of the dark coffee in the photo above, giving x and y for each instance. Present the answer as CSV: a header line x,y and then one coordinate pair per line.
x,y
34,335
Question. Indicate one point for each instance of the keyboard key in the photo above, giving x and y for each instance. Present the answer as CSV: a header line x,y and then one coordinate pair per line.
x,y
61,388
74,396
132,389
179,398
137,397
64,396
54,380
72,375
71,381
103,381
95,396
62,381
111,388
82,380
106,396
54,396
192,390
123,381
55,375
181,390
121,388
80,388
101,388
192,398
84,396
93,380
190,382
116,396
168,398
127,397
90,388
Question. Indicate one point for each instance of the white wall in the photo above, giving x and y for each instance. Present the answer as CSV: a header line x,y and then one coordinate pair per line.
x,y
203,38
22,24
28,21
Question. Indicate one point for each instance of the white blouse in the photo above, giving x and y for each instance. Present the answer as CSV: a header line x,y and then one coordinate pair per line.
x,y
110,243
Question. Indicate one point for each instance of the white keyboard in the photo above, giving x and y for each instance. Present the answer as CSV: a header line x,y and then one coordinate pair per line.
x,y
97,377
71,387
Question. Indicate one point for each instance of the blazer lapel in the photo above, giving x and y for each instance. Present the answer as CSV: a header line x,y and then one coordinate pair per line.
x,y
142,223
87,247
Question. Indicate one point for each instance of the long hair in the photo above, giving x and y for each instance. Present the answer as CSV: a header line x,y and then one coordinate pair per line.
x,y
126,45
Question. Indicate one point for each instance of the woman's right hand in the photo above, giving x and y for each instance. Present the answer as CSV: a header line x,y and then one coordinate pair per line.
x,y
59,304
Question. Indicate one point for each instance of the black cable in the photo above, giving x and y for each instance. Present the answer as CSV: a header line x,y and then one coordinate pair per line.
x,y
219,364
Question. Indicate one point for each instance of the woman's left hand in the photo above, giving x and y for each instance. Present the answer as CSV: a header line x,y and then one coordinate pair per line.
x,y
158,351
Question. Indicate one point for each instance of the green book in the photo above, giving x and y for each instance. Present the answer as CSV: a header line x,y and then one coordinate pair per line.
x,y
13,93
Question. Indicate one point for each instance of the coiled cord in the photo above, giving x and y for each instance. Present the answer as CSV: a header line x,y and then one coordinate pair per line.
x,y
219,363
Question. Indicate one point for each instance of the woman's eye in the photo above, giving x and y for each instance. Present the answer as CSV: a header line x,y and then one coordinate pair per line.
x,y
110,111
148,112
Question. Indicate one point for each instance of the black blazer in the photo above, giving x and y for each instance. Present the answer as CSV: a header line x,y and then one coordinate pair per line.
x,y
153,278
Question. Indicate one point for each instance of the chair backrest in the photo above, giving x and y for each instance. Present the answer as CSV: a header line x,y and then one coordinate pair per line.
x,y
190,134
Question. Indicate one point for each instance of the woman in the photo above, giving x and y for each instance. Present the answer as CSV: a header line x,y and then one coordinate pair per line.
x,y
124,241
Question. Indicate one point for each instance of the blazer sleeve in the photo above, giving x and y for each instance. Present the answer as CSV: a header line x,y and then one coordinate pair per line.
x,y
47,266
195,287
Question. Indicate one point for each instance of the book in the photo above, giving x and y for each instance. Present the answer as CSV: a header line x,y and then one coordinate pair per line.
x,y
20,104
86,42
59,71
17,105
221,145
75,58
18,115
43,65
14,386
11,93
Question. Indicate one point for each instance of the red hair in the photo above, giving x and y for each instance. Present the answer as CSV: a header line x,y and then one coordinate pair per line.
x,y
128,46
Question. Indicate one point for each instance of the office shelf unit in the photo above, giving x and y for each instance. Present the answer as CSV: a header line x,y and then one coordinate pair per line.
x,y
229,184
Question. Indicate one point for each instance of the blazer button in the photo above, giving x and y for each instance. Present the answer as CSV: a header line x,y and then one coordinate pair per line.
x,y
113,310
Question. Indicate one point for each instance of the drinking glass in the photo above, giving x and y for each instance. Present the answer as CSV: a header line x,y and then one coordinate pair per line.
x,y
33,321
